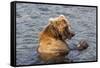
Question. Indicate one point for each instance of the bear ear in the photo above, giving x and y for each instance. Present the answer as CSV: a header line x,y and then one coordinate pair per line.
x,y
62,16
51,20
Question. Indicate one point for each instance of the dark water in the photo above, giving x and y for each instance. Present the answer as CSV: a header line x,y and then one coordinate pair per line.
x,y
31,18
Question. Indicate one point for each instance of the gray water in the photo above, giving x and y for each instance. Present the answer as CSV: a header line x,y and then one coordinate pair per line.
x,y
31,18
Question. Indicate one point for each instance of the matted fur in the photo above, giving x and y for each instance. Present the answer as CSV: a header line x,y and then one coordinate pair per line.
x,y
52,45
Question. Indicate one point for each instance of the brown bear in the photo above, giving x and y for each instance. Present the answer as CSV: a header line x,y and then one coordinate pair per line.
x,y
52,44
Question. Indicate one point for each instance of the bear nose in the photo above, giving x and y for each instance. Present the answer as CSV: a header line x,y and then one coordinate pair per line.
x,y
72,34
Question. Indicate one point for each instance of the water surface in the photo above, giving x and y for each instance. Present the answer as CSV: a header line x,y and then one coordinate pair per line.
x,y
31,18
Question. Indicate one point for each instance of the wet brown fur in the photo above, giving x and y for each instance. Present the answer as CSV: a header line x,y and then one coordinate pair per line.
x,y
52,45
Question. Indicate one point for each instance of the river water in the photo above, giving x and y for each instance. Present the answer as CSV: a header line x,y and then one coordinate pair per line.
x,y
31,18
